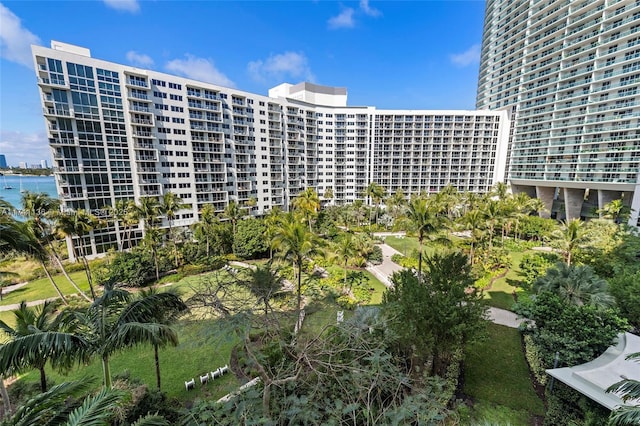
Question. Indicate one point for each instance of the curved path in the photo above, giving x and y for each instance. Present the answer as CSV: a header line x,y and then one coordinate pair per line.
x,y
385,270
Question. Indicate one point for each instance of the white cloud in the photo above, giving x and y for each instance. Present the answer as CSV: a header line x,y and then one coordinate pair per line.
x,y
124,5
342,20
199,69
368,10
139,59
468,57
27,147
15,40
281,66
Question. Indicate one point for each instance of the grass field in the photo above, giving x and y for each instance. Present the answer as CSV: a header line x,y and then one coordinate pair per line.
x,y
42,288
496,376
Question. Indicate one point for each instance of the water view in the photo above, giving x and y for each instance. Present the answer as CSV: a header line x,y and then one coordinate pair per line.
x,y
11,187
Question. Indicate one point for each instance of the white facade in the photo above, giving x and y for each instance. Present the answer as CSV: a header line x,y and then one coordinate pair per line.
x,y
569,71
120,133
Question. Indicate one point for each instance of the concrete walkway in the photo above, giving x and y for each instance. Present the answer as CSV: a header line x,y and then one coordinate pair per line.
x,y
385,270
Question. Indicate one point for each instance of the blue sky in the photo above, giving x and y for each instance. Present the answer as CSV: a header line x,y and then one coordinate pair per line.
x,y
400,54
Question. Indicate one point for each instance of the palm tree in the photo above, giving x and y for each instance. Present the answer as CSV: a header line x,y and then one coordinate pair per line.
x,y
166,315
39,207
114,322
500,190
492,213
234,213
204,227
345,249
293,241
570,237
263,283
272,220
375,193
120,213
396,202
307,203
577,285
425,220
169,205
148,211
474,221
151,240
28,321
615,210
77,223
328,194
629,390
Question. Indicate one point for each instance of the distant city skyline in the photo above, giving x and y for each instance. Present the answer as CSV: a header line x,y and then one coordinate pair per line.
x,y
415,55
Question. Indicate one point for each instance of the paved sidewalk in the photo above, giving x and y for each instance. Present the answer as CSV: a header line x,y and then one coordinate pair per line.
x,y
385,270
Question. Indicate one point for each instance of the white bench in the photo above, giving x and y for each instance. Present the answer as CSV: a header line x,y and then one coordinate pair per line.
x,y
219,372
204,379
191,384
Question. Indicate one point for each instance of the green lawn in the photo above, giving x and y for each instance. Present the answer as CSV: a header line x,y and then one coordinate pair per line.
x,y
42,288
497,376
197,353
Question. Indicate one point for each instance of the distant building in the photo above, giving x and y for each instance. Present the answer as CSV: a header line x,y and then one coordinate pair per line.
x,y
123,133
22,165
43,164
3,161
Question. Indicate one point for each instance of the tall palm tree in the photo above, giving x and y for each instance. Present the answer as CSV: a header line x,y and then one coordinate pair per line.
x,y
152,239
263,283
121,214
375,193
169,205
577,285
307,203
493,214
28,321
204,227
629,390
114,322
39,208
77,223
272,220
162,314
328,194
474,221
345,249
500,190
148,210
234,213
294,242
570,237
396,202
425,220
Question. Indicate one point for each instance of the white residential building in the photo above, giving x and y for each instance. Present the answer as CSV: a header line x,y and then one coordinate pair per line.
x,y
120,133
569,73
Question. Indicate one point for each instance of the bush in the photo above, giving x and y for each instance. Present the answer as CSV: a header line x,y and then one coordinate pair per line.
x,y
534,358
375,257
533,265
405,262
249,241
134,268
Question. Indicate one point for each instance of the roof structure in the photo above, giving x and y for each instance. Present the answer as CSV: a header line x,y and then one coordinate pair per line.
x,y
594,377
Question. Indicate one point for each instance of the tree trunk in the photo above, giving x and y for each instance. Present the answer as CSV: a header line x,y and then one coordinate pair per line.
x,y
157,360
106,371
299,296
53,283
43,380
155,261
5,399
345,274
56,257
420,260
87,271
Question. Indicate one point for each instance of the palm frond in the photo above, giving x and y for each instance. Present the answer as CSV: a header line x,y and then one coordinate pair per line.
x,y
134,333
96,410
47,404
151,420
628,389
625,416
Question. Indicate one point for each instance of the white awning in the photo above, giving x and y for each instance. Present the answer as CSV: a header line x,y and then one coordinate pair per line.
x,y
593,378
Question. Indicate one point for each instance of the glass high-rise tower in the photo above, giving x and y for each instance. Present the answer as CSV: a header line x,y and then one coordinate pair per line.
x,y
568,72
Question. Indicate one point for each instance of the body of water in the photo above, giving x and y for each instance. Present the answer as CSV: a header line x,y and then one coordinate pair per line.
x,y
46,184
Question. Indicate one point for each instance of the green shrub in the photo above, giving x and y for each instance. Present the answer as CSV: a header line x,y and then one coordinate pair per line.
x,y
534,358
375,257
533,265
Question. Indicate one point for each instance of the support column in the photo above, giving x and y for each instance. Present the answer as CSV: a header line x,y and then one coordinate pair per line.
x,y
605,197
546,194
573,199
635,207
